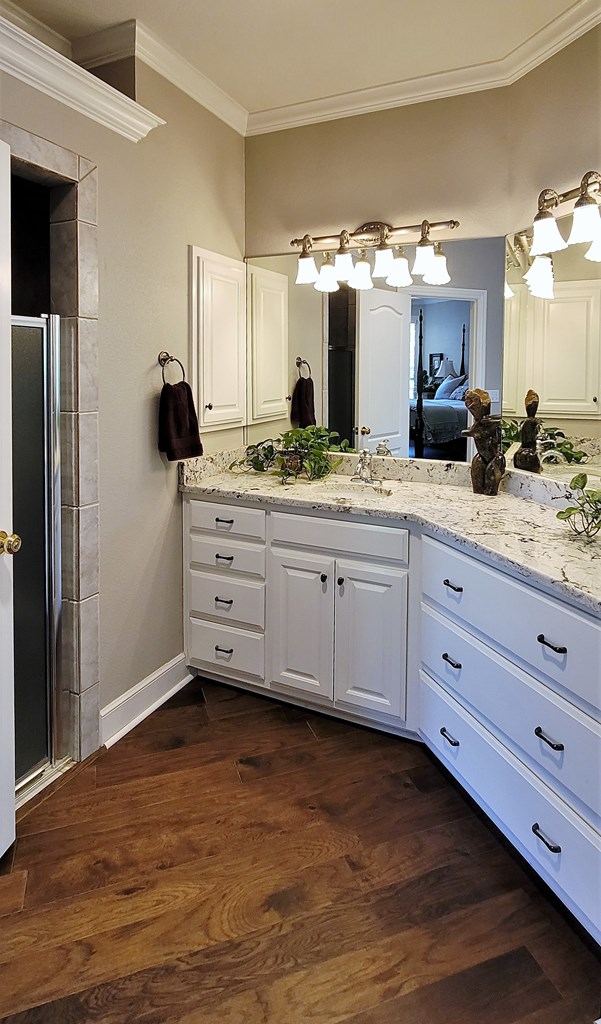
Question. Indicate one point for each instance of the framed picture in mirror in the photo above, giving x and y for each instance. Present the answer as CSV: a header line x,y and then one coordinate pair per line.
x,y
434,361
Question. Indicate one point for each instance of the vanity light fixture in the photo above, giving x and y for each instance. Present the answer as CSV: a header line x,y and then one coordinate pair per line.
x,y
540,277
361,276
343,261
307,268
437,272
594,253
326,281
586,225
508,293
372,235
547,237
399,276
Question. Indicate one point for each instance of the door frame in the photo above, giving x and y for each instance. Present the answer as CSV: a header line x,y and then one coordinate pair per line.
x,y
477,338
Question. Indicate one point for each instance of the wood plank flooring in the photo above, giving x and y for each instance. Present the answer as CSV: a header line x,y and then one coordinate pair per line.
x,y
237,861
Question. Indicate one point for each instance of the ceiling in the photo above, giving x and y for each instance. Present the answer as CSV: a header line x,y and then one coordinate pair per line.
x,y
268,54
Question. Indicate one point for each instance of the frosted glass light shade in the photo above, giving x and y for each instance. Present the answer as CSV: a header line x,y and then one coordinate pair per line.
x,y
307,269
508,293
343,265
540,278
586,224
437,272
424,255
383,262
361,276
547,236
326,281
594,253
399,276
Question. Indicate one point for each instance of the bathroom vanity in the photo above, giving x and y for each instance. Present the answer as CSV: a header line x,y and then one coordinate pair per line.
x,y
471,623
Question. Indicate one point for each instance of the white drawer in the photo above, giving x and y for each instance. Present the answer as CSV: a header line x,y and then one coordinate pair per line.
x,y
231,600
227,556
516,705
518,802
225,648
517,618
346,538
227,519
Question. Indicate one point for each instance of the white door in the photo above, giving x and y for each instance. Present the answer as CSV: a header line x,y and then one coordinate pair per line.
x,y
7,727
267,344
301,616
383,325
370,637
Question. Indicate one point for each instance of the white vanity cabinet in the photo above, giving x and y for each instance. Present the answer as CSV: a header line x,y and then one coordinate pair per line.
x,y
267,345
337,625
510,698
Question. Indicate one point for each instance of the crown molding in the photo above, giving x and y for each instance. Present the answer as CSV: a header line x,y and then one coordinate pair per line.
x,y
25,21
134,39
580,18
42,68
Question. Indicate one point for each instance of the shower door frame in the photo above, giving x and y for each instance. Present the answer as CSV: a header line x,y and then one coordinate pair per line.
x,y
49,324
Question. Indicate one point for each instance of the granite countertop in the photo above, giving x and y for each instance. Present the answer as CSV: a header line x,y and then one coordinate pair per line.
x,y
518,533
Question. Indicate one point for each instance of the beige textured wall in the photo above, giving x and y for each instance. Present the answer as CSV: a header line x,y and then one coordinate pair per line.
x,y
183,184
482,158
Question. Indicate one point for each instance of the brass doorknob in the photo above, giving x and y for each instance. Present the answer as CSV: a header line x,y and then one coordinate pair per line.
x,y
9,543
365,430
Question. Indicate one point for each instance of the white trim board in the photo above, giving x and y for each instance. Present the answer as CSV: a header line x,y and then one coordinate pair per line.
x,y
134,39
127,711
43,68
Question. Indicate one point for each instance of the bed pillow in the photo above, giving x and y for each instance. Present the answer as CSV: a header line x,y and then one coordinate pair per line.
x,y
449,384
458,395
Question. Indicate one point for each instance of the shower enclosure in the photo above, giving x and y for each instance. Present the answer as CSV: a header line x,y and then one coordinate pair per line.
x,y
36,514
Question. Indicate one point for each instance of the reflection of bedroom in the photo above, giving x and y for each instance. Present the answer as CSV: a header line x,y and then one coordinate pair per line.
x,y
445,330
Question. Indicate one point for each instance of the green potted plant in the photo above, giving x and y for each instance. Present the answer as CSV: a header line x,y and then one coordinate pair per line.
x,y
584,516
301,451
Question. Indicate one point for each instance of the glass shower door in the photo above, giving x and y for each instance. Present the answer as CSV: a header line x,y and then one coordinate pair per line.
x,y
36,509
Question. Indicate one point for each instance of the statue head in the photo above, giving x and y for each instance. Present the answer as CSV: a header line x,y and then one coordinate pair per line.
x,y
477,402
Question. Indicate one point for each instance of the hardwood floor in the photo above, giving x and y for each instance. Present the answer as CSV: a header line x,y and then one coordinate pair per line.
x,y
237,861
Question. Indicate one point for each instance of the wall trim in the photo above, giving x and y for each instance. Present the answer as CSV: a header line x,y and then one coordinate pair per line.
x,y
39,66
22,19
132,707
562,31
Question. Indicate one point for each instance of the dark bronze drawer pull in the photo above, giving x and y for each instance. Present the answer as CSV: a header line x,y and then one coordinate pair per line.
x,y
224,600
224,650
225,558
450,739
553,847
555,746
324,577
449,660
451,586
340,581
547,643
228,522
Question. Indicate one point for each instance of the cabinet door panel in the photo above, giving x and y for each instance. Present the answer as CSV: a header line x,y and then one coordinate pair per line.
x,y
301,622
222,318
268,344
370,637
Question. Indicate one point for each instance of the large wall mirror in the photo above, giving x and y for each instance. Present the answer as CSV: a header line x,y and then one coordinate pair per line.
x,y
554,345
362,348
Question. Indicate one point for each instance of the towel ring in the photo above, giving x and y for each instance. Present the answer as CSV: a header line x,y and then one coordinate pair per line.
x,y
165,358
300,363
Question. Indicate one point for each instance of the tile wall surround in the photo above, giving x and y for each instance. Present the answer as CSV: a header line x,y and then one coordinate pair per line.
x,y
74,296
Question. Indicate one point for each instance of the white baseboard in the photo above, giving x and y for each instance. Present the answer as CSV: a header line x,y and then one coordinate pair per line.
x,y
119,717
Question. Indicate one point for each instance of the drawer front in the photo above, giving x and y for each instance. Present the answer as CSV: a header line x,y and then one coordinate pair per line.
x,y
227,556
519,620
516,705
347,538
227,519
518,800
230,600
225,648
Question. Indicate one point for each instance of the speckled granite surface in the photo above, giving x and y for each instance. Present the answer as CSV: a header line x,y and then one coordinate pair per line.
x,y
520,535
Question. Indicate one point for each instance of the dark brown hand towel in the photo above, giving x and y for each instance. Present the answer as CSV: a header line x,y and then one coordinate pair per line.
x,y
302,408
178,424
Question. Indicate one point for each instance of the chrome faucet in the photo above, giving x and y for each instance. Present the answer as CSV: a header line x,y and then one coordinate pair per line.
x,y
382,448
364,469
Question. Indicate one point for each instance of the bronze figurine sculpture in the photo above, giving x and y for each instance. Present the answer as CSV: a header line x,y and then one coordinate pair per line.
x,y
527,456
488,465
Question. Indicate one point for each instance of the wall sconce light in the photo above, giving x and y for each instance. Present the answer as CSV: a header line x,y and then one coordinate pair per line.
x,y
547,236
326,280
361,276
437,272
594,253
540,277
389,264
307,268
586,225
507,291
399,276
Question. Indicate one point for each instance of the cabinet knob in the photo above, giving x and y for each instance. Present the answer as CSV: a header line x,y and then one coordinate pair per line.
x,y
209,405
595,399
9,543
324,577
340,581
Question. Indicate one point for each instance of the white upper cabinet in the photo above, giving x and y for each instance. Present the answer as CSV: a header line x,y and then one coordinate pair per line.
x,y
218,338
267,344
